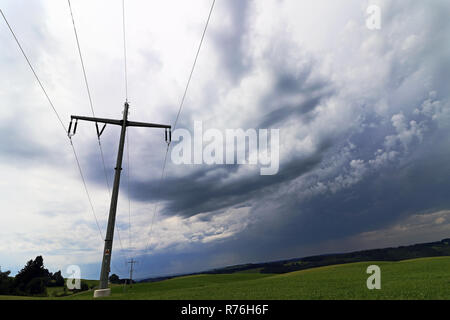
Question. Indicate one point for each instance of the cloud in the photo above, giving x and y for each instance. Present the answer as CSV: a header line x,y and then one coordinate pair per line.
x,y
363,118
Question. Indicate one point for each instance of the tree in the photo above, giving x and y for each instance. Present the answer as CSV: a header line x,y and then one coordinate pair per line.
x,y
114,278
57,280
33,278
6,282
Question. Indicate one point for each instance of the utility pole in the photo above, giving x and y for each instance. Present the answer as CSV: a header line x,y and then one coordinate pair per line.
x,y
131,262
103,290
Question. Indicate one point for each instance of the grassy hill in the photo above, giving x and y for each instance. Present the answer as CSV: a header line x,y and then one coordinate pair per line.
x,y
424,278
421,250
333,276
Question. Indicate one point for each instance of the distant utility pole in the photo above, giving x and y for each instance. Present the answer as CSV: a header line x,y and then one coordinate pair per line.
x,y
131,262
124,123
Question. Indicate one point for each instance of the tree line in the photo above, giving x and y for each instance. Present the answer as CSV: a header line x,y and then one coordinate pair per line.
x,y
32,280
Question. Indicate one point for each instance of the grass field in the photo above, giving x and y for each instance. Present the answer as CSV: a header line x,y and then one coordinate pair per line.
x,y
425,278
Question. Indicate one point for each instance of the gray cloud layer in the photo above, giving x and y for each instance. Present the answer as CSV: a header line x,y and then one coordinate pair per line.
x,y
364,120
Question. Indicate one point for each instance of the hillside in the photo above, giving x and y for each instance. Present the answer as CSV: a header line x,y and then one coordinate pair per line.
x,y
425,278
422,250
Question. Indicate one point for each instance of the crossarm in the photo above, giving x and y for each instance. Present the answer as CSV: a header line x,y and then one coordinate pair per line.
x,y
147,125
101,120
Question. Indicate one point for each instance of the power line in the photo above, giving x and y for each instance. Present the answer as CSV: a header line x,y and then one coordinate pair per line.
x,y
155,208
128,185
59,119
126,100
125,50
81,59
178,116
85,187
92,110
193,65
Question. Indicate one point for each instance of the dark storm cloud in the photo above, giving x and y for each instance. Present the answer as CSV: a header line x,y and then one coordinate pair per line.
x,y
296,92
288,111
201,192
417,183
416,186
204,190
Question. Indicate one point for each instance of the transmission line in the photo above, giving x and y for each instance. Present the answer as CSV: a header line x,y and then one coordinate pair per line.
x,y
60,121
126,100
125,50
128,185
178,115
92,110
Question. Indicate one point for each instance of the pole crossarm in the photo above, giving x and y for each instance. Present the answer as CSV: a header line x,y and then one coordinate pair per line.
x,y
147,125
120,122
101,120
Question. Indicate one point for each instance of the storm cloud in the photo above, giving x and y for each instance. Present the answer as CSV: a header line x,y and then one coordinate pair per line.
x,y
364,119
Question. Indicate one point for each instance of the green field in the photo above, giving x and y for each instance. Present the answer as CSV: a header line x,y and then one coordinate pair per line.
x,y
425,278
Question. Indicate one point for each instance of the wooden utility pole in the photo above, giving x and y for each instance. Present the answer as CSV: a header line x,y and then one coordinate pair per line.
x,y
124,123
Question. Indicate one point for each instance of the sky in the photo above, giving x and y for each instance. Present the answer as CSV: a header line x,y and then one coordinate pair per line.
x,y
363,117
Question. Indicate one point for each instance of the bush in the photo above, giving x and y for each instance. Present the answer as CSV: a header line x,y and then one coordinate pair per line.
x,y
114,278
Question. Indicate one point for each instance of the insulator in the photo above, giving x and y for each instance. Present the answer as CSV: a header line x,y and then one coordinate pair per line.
x,y
70,127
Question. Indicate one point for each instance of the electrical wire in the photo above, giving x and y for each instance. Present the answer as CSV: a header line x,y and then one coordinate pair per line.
x,y
128,185
178,116
193,65
92,110
128,141
60,121
125,50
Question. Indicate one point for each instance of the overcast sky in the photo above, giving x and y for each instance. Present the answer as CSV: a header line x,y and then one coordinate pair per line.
x,y
364,119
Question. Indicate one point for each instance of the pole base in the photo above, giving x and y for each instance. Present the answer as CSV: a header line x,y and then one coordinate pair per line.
x,y
100,293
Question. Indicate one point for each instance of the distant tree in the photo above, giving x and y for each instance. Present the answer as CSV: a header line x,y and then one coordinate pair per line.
x,y
114,278
57,280
33,278
37,286
6,282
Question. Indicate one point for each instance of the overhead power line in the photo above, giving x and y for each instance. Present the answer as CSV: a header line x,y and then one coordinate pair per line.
x,y
178,116
85,188
128,186
126,100
60,121
81,59
193,65
125,50
93,113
